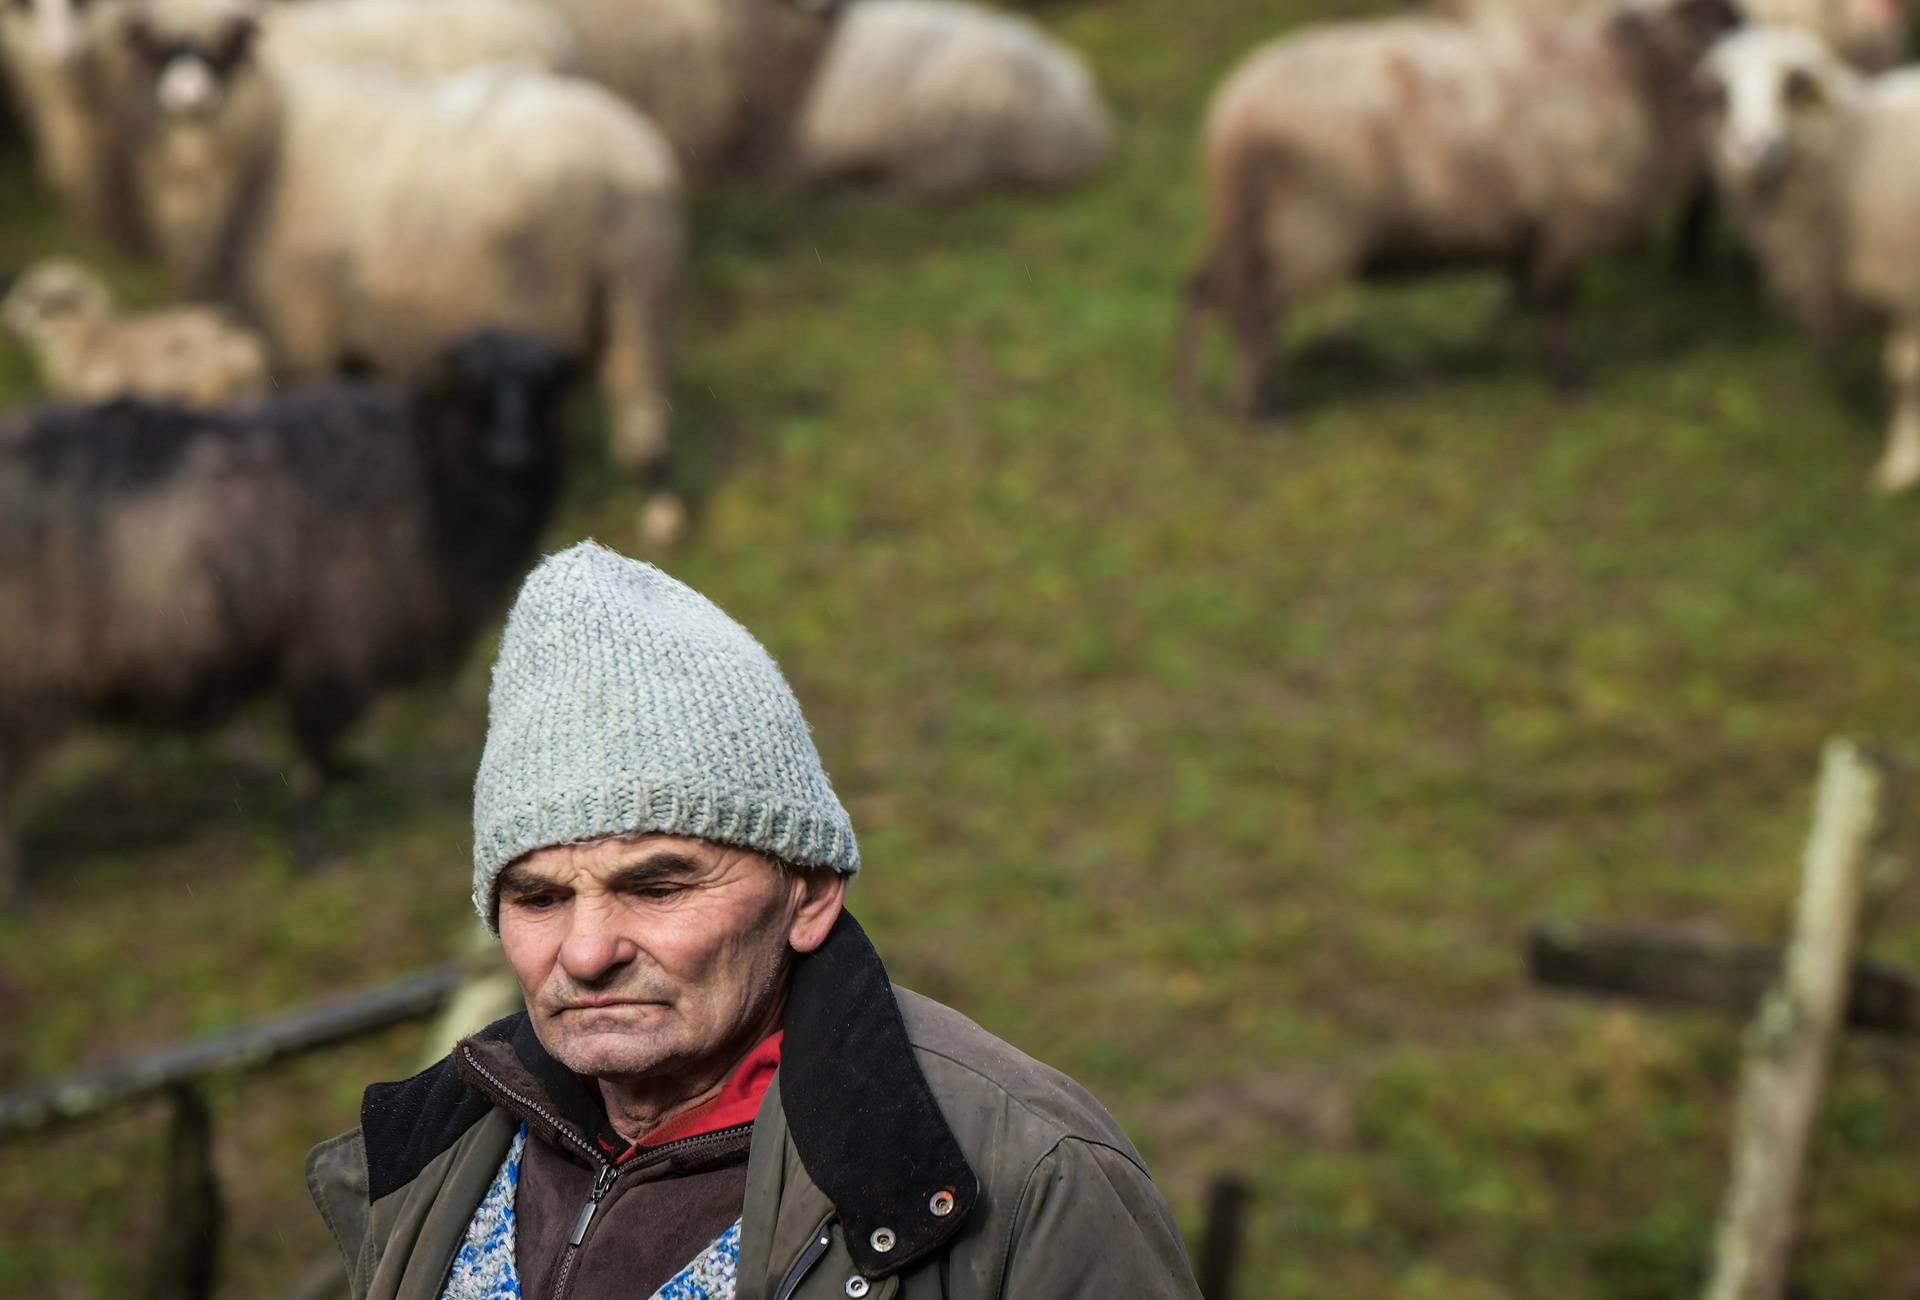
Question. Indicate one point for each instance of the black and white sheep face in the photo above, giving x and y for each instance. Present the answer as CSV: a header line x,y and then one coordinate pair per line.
x,y
1770,96
192,74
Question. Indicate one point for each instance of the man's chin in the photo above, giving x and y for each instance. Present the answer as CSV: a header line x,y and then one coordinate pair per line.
x,y
601,1047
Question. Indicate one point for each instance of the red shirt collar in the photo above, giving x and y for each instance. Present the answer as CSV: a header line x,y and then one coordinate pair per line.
x,y
738,1102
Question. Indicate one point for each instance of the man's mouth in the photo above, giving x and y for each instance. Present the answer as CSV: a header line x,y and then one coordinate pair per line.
x,y
599,1004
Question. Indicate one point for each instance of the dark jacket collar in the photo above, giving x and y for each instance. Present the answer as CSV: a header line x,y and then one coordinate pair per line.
x,y
861,1115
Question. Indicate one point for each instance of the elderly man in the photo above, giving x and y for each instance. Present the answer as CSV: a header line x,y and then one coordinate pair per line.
x,y
714,1090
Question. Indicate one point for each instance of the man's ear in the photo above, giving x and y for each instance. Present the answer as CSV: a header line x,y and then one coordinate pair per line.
x,y
821,894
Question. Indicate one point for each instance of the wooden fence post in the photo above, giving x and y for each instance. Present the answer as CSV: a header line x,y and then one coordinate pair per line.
x,y
1790,1041
1220,1248
186,1236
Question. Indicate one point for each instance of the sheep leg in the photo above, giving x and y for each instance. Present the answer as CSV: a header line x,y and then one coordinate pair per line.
x,y
1545,276
1564,362
1693,236
321,712
1556,298
633,365
1186,361
1899,467
1255,318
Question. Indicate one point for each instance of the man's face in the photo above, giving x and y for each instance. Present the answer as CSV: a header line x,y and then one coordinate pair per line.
x,y
654,956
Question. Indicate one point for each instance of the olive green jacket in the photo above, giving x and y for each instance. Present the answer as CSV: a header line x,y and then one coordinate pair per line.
x,y
902,1152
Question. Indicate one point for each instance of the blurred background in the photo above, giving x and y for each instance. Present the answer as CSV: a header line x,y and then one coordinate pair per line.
x,y
1220,752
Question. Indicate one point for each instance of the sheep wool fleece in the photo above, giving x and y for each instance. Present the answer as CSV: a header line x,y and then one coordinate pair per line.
x,y
623,701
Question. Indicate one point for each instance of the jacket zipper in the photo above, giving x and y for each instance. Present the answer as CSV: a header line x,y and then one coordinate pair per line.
x,y
822,1238
601,1182
608,1171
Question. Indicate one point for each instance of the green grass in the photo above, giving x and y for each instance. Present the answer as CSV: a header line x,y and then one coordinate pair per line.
x,y
1224,770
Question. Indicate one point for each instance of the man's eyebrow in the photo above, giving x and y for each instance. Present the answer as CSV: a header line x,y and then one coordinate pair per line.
x,y
519,880
651,870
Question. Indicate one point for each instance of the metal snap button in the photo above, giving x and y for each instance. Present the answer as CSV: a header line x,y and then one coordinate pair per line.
x,y
857,1286
882,1239
941,1204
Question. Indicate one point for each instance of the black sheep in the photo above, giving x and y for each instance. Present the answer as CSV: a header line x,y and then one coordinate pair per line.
x,y
161,566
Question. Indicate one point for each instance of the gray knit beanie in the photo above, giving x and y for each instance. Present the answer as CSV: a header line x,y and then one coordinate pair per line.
x,y
624,701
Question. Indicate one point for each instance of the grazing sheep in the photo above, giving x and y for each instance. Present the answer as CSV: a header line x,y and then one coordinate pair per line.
x,y
162,565
1819,165
937,97
361,219
723,79
187,353
1412,144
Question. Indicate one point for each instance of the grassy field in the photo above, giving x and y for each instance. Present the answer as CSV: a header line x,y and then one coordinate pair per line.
x,y
1225,770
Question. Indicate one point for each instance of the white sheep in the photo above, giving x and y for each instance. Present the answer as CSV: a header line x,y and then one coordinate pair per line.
x,y
723,79
363,218
1410,144
61,59
1821,167
86,350
936,97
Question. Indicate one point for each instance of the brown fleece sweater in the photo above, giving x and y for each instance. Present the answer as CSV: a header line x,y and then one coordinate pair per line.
x,y
657,1209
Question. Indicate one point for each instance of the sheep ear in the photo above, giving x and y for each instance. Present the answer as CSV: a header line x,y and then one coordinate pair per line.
x,y
140,39
238,43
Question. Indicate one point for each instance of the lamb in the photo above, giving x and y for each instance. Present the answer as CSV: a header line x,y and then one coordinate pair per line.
x,y
1412,144
939,97
162,565
723,79
62,59
1818,166
362,219
188,353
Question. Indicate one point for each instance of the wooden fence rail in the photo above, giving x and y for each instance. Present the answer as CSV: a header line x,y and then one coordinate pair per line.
x,y
338,1020
1652,965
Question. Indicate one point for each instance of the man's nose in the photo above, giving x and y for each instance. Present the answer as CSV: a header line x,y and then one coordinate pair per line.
x,y
594,947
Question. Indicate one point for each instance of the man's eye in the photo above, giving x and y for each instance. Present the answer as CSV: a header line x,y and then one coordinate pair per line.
x,y
535,902
656,893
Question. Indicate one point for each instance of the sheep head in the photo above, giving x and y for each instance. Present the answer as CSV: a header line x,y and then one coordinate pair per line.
x,y
493,401
1772,96
196,57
